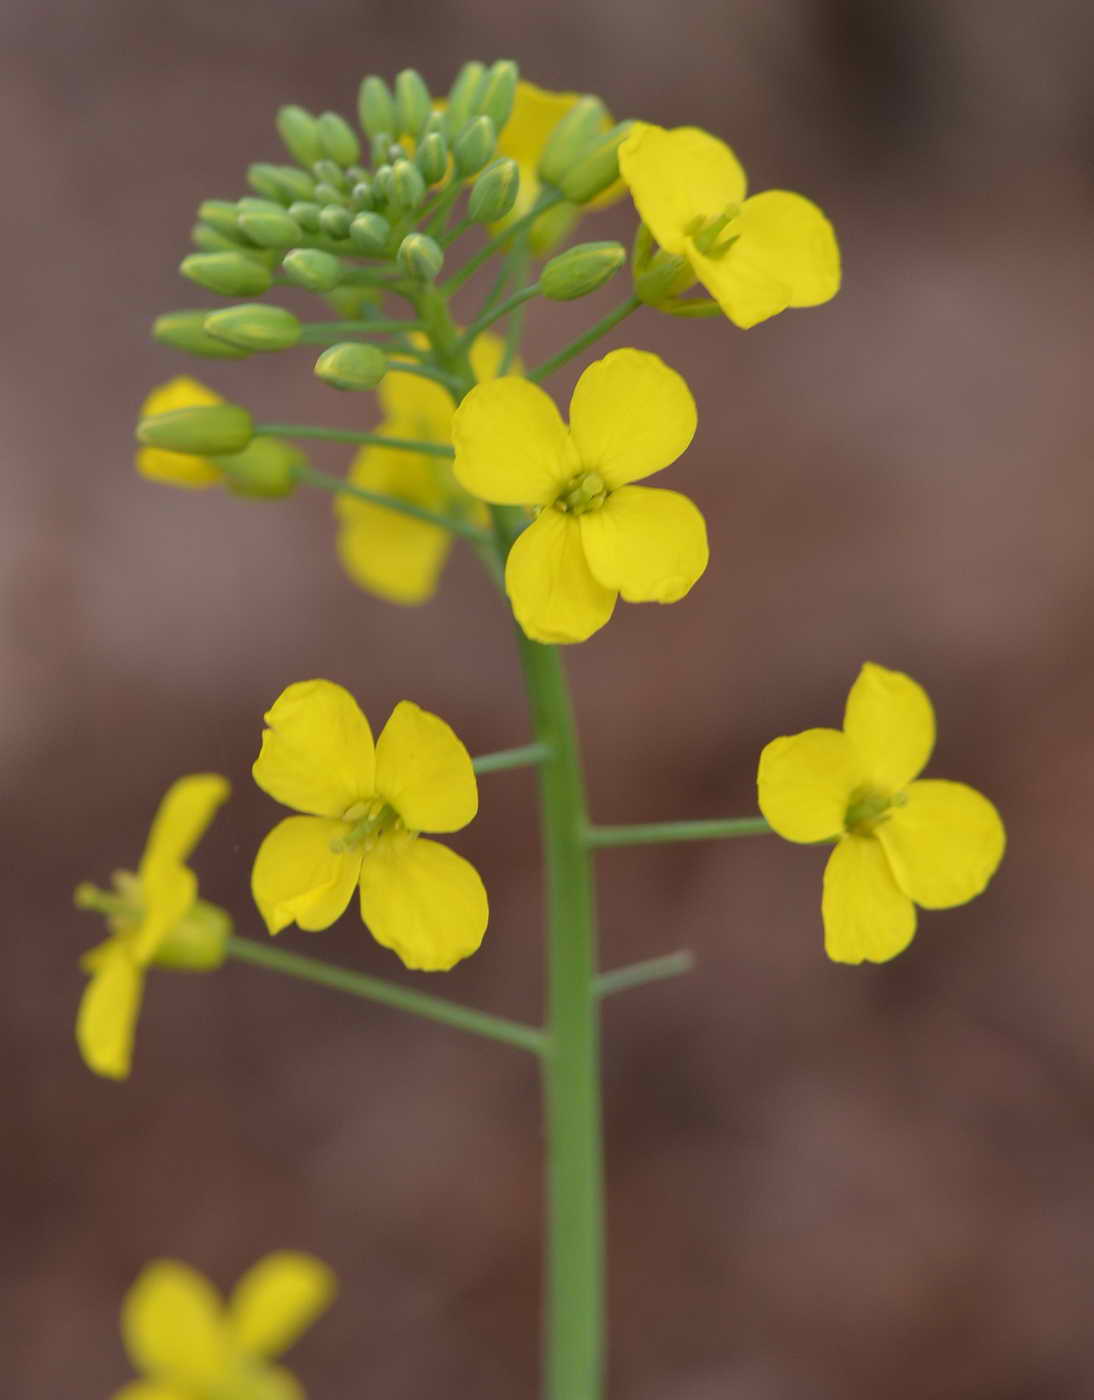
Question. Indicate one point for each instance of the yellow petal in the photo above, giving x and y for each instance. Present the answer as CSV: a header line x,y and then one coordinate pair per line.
x,y
178,468
106,1022
173,1325
630,416
649,544
746,291
273,1383
150,1390
890,721
297,878
182,818
536,112
867,917
512,448
424,771
554,595
944,844
415,407
486,356
277,1300
168,891
180,392
790,236
679,178
423,901
805,782
317,754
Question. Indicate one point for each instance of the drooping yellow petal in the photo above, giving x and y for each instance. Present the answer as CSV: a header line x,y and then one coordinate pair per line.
x,y
106,1021
890,721
649,544
277,1300
512,448
630,416
173,1325
415,407
486,355
805,782
150,1390
423,901
317,754
747,292
168,891
178,468
182,818
273,1383
536,112
297,878
944,844
554,595
678,179
867,917
424,771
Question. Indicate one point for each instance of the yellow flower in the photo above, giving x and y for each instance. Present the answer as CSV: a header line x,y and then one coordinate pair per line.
x,y
178,468
393,555
899,842
189,1345
595,536
153,915
755,256
365,804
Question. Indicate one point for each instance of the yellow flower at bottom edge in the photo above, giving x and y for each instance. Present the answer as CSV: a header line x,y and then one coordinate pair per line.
x,y
756,256
153,916
189,1345
596,536
899,841
364,805
178,468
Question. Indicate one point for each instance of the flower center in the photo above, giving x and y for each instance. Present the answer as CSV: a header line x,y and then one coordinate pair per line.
x,y
705,234
367,822
868,808
586,491
122,907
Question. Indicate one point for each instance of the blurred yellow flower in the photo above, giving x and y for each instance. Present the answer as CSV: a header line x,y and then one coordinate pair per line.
x,y
364,807
756,256
900,842
153,915
178,468
595,536
189,1345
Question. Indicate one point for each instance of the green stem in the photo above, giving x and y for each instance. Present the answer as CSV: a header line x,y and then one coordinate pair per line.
x,y
488,318
520,257
487,251
511,758
300,430
319,332
309,476
621,979
449,1013
422,371
575,347
655,833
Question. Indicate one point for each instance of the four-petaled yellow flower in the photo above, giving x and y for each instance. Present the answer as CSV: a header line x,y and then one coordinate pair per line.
x,y
900,842
178,468
189,1345
755,256
365,804
595,536
393,555
154,916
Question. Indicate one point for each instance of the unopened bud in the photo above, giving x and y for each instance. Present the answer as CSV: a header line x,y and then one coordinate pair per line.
x,y
262,178
571,139
407,186
494,192
381,181
230,274
580,270
461,97
597,169
369,233
413,104
265,469
197,941
205,429
306,213
270,230
361,196
420,257
312,269
327,194
299,130
185,330
329,172
376,107
335,221
475,145
337,138
253,326
352,365
210,241
658,275
431,157
496,96
220,214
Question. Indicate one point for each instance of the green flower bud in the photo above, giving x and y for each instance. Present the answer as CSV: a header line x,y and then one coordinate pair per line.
x,y
230,274
254,326
352,365
196,942
311,269
295,184
369,234
597,169
328,172
580,270
376,108
337,138
355,174
306,213
361,196
413,104
384,150
210,241
265,469
431,157
475,145
299,131
185,330
335,221
571,139
658,276
495,191
495,98
330,195
221,215
420,257
205,430
381,182
262,178
255,204
461,97
270,230
407,186
435,126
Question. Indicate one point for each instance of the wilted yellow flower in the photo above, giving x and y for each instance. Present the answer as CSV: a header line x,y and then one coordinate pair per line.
x,y
365,805
899,842
756,256
189,1345
595,536
153,915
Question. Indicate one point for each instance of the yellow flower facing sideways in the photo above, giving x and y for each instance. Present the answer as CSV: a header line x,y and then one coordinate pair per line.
x,y
900,840
393,555
178,468
595,536
154,915
756,256
189,1345
364,805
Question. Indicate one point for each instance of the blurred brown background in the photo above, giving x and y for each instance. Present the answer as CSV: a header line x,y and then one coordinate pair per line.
x,y
824,1183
